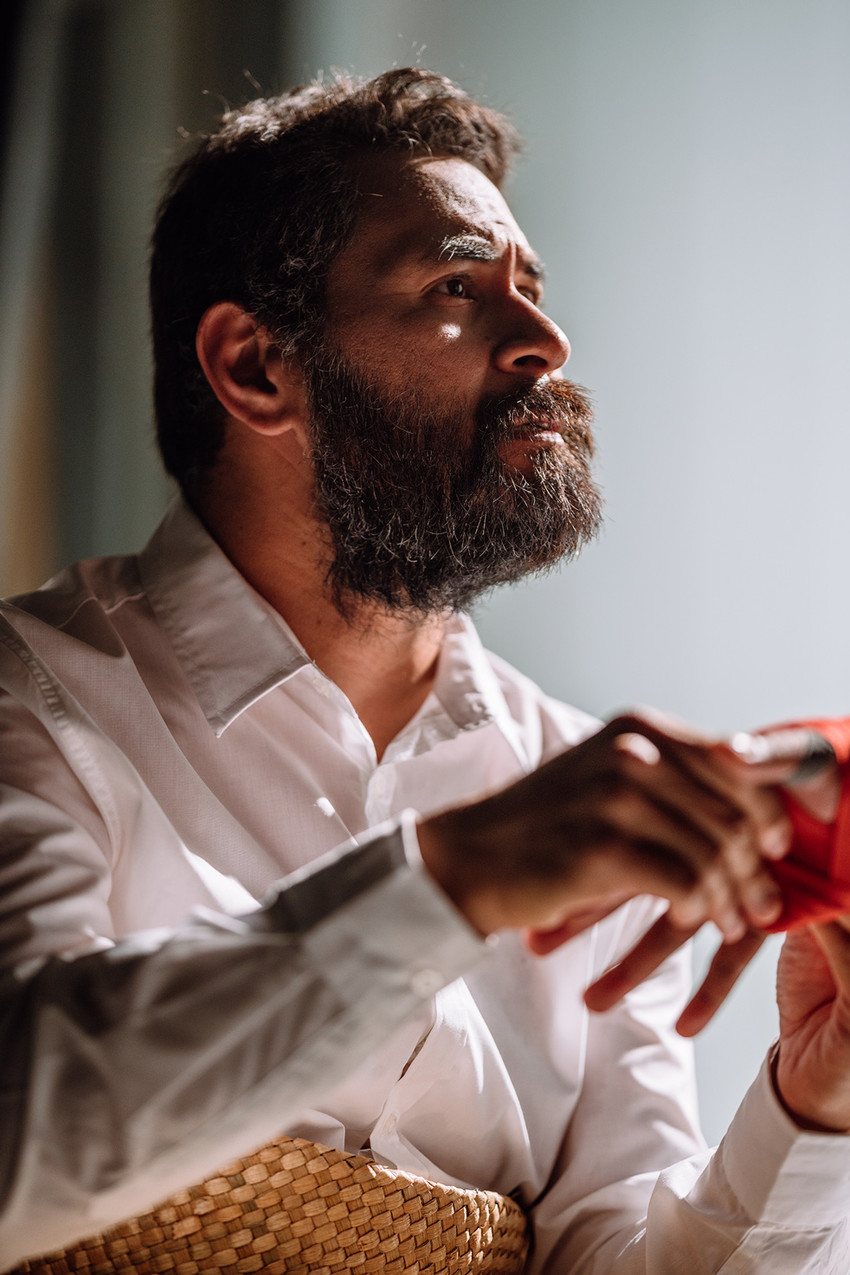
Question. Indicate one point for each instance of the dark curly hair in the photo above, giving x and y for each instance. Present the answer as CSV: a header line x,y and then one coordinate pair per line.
x,y
259,210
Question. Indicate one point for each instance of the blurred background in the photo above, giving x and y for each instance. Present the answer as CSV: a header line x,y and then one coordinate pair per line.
x,y
686,181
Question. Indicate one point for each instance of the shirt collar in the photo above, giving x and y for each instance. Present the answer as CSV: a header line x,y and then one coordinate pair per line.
x,y
468,689
232,646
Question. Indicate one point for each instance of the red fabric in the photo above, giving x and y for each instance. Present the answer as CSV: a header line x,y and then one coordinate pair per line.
x,y
815,876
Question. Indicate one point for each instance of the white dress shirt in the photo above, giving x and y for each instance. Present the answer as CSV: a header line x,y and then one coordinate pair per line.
x,y
168,752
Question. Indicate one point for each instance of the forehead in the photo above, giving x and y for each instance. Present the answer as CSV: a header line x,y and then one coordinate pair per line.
x,y
428,209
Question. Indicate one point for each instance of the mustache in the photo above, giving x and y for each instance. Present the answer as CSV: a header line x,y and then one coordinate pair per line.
x,y
563,406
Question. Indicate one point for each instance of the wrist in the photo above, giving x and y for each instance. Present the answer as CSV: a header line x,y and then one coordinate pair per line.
x,y
805,1123
450,861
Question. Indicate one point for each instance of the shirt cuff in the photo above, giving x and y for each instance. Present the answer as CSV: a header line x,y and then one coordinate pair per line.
x,y
782,1174
406,932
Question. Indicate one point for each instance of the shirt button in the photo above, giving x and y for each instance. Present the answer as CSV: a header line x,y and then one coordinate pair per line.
x,y
391,1123
426,982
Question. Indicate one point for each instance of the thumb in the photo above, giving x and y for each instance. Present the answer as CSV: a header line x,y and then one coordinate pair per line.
x,y
834,939
793,757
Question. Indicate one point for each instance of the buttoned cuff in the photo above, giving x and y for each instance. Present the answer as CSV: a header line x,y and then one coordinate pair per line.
x,y
780,1173
404,930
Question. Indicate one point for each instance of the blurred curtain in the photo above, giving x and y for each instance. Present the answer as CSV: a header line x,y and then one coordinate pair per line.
x,y
99,93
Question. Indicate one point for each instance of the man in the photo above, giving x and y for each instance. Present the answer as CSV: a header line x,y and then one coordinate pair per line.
x,y
361,400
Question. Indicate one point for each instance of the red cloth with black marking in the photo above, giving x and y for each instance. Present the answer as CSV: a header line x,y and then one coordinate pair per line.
x,y
815,875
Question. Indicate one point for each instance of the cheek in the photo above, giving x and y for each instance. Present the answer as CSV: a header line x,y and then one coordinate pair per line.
x,y
442,360
372,341
454,368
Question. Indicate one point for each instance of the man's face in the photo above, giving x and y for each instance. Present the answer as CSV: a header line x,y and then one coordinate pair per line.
x,y
449,455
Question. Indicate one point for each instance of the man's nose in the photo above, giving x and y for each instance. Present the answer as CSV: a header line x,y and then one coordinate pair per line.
x,y
534,345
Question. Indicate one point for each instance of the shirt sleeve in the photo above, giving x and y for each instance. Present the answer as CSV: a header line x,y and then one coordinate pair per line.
x,y
637,1193
132,1066
140,1066
770,1199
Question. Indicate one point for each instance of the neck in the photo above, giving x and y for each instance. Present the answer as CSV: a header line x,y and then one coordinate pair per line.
x,y
384,661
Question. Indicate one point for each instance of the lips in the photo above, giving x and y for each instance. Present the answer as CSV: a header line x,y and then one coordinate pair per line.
x,y
538,429
518,448
544,431
551,417
545,437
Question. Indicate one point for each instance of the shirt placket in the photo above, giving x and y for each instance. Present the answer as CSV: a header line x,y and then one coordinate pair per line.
x,y
380,791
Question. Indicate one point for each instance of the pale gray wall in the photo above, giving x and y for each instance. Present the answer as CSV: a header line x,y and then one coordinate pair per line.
x,y
687,183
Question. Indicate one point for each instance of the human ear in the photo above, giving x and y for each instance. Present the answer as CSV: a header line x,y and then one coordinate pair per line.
x,y
246,371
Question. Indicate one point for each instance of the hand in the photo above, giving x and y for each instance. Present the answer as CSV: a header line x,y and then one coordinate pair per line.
x,y
812,1072
798,759
642,807
794,757
812,1068
660,941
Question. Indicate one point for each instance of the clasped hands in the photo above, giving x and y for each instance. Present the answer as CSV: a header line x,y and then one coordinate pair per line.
x,y
646,806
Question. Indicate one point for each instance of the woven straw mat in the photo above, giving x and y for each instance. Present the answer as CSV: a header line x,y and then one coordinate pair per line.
x,y
295,1206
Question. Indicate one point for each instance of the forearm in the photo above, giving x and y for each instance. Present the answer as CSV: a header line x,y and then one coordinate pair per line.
x,y
130,1072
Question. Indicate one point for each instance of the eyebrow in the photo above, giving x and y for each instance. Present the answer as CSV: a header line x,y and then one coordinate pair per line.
x,y
477,248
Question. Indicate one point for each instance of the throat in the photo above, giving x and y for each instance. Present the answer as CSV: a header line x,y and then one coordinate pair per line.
x,y
384,661
386,665
385,716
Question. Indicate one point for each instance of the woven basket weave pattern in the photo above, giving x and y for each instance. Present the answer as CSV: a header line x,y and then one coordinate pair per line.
x,y
294,1206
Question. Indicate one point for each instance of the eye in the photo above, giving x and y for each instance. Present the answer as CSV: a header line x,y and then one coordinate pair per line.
x,y
457,288
532,294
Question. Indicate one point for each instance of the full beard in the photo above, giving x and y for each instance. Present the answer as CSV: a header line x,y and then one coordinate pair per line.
x,y
422,520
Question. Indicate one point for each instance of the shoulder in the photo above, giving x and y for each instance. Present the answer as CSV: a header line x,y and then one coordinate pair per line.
x,y
69,620
106,582
97,584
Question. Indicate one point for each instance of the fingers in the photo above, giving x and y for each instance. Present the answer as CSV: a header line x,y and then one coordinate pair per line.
x,y
789,755
797,758
673,795
633,809
543,940
713,765
728,963
660,941
710,769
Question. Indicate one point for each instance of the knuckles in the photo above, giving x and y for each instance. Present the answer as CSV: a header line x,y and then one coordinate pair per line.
x,y
625,808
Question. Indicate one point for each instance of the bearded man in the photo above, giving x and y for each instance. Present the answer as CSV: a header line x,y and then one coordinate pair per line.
x,y
360,397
